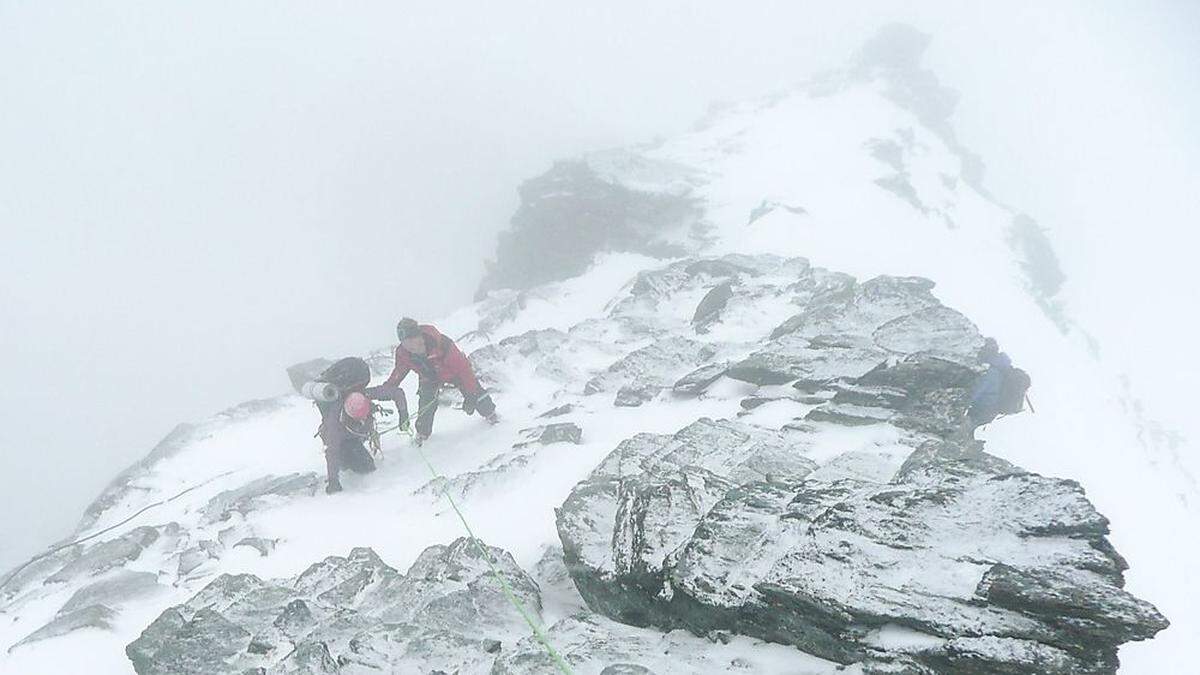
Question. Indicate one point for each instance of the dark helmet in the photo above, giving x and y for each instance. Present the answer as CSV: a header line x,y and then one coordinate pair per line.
x,y
407,328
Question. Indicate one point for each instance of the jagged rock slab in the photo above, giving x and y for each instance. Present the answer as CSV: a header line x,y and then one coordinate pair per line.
x,y
839,306
107,555
537,351
647,496
547,434
263,545
194,556
658,364
114,591
632,395
98,617
558,411
709,310
248,497
959,546
700,379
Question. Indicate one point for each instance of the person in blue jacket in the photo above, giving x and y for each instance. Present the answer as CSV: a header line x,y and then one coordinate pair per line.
x,y
986,394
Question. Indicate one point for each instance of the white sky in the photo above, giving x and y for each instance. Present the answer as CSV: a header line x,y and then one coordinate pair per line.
x,y
195,195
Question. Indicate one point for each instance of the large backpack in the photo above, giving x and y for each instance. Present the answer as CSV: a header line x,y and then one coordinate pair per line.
x,y
347,374
1012,391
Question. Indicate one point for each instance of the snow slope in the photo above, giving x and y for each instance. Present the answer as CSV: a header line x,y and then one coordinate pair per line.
x,y
855,172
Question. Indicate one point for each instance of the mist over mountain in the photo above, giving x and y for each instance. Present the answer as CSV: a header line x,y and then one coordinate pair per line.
x,y
731,366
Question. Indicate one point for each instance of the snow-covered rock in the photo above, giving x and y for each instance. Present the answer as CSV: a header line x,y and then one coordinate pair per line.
x,y
725,527
346,614
730,394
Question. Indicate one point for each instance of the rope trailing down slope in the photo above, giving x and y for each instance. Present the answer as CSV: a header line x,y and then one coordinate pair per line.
x,y
487,557
110,528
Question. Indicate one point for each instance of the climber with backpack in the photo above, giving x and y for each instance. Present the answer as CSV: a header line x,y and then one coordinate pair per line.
x,y
1000,390
347,428
438,362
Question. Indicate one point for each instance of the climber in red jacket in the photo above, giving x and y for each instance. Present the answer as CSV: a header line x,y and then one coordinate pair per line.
x,y
438,361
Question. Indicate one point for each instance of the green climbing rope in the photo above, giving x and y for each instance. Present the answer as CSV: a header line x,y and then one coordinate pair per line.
x,y
487,556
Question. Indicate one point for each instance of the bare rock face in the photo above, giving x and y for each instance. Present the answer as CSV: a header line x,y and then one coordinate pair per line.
x,y
352,614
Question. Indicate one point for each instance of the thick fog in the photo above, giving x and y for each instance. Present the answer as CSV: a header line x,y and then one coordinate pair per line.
x,y
195,195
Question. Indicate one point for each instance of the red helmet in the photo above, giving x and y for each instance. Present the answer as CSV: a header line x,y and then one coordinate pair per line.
x,y
357,406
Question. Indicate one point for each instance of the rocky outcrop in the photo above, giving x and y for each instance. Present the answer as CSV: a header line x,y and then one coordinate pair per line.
x,y
827,510
351,614
180,438
574,211
651,366
106,555
91,616
958,546
807,537
248,497
547,434
709,310
695,382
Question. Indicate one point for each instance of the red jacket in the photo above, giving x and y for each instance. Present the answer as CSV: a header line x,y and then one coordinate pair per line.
x,y
443,361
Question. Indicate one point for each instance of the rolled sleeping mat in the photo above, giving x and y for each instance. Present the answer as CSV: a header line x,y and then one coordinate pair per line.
x,y
320,391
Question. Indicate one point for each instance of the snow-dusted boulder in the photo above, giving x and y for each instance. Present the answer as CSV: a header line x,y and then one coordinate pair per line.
x,y
352,614
956,547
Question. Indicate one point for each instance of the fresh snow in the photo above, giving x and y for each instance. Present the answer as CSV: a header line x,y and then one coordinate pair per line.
x,y
810,151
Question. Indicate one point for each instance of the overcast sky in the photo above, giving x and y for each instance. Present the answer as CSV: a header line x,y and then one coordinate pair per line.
x,y
195,195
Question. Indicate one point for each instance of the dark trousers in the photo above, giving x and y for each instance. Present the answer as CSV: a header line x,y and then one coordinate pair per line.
x,y
351,454
477,401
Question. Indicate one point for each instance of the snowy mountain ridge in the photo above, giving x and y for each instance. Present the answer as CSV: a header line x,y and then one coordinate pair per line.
x,y
748,329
